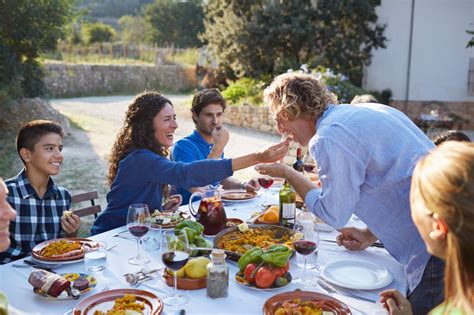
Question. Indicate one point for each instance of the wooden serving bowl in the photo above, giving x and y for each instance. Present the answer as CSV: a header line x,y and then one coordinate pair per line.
x,y
186,283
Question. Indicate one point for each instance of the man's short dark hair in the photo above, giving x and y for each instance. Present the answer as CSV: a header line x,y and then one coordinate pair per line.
x,y
450,135
31,133
206,97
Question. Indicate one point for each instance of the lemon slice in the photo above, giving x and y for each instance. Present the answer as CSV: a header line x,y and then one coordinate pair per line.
x,y
243,227
298,236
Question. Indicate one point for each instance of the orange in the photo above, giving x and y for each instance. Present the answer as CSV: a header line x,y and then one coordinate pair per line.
x,y
271,216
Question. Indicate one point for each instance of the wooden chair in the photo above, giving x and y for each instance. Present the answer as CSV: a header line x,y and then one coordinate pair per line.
x,y
88,196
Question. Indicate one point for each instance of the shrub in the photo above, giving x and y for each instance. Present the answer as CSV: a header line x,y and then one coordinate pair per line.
x,y
97,33
245,90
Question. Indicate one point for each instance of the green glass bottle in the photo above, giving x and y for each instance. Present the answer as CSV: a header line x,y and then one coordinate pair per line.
x,y
287,206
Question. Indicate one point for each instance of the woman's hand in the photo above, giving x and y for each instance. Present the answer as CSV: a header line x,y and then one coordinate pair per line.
x,y
274,153
70,224
355,239
173,203
395,303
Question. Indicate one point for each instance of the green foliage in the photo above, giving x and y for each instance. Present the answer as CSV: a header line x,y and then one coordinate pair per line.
x,y
471,41
97,33
187,56
256,38
111,8
28,28
245,90
176,22
134,29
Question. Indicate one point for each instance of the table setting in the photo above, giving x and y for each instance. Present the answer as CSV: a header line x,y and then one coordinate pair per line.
x,y
345,282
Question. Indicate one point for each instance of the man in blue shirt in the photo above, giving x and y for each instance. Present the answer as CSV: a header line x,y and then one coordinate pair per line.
x,y
366,154
208,139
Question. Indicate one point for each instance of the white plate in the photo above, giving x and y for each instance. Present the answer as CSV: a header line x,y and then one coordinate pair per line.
x,y
356,274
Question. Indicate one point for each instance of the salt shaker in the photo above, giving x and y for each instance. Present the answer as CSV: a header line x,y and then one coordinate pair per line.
x,y
217,275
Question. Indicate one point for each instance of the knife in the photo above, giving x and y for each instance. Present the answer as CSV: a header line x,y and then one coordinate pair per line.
x,y
326,286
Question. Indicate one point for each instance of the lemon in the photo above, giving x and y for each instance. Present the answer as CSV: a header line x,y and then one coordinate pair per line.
x,y
180,273
298,236
243,227
196,268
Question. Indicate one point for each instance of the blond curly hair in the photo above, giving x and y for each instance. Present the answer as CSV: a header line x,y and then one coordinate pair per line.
x,y
292,95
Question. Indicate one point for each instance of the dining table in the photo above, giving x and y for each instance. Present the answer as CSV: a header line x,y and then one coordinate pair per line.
x,y
240,300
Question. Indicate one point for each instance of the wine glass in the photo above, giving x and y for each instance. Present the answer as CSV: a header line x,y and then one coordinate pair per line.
x,y
266,182
305,242
308,163
138,224
175,256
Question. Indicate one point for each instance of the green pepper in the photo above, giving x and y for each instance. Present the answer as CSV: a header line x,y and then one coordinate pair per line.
x,y
190,233
200,241
198,227
278,259
194,252
251,256
277,248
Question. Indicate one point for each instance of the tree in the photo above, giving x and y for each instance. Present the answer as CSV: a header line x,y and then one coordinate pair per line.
x,y
471,41
176,22
97,33
266,37
134,29
28,28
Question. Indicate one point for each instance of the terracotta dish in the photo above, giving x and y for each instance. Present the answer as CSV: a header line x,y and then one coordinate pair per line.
x,y
233,222
36,252
330,304
71,277
186,283
104,301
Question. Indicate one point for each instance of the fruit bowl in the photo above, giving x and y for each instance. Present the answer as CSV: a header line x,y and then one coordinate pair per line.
x,y
185,283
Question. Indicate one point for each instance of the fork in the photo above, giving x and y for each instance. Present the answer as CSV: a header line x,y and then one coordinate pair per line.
x,y
332,290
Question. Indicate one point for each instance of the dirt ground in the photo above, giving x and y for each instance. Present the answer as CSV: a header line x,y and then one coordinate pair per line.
x,y
87,148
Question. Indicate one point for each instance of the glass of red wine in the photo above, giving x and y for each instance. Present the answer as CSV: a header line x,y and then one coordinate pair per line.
x,y
305,242
266,182
138,224
175,256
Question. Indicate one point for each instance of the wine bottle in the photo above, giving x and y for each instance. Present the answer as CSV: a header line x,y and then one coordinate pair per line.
x,y
298,165
287,206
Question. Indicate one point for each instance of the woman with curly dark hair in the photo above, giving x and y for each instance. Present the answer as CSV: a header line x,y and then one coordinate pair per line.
x,y
139,167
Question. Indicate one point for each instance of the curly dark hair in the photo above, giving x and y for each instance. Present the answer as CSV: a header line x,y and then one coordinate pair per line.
x,y
137,131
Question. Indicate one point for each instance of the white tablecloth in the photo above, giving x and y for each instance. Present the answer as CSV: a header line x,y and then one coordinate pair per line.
x,y
13,281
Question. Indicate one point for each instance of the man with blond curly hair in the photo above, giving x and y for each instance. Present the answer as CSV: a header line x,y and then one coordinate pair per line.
x,y
366,154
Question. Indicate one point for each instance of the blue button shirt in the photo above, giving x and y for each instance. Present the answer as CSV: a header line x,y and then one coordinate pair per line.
x,y
189,149
140,178
366,154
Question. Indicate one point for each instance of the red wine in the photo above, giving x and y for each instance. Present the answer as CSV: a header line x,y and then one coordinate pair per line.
x,y
309,167
305,247
138,230
265,182
175,260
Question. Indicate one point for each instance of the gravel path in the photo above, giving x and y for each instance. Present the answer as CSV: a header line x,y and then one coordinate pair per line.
x,y
86,151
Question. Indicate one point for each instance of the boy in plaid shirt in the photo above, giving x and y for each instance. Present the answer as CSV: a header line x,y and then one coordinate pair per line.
x,y
39,203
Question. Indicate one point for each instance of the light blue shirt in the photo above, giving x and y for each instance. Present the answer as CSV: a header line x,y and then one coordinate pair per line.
x,y
366,154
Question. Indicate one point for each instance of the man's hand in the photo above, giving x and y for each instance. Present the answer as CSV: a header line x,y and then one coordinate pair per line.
x,y
70,224
220,137
274,153
173,203
355,239
274,169
252,185
395,303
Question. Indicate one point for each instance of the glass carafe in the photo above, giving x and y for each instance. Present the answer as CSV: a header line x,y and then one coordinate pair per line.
x,y
211,213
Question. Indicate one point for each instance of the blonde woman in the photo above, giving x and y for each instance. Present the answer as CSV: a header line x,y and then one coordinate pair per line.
x,y
442,205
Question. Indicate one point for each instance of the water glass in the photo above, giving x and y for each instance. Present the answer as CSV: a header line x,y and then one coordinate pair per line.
x,y
152,240
95,258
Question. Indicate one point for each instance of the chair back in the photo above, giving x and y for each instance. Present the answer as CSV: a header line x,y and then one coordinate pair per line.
x,y
88,210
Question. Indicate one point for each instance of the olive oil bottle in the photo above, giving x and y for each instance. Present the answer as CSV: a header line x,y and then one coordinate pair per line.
x,y
287,206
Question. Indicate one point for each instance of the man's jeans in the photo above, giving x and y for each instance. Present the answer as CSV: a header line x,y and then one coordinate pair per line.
x,y
430,292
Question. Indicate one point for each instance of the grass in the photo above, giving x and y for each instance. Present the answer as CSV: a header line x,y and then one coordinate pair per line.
x,y
99,59
189,56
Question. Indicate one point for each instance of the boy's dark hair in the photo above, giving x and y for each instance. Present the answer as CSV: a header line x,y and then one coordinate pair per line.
x,y
206,97
450,135
30,133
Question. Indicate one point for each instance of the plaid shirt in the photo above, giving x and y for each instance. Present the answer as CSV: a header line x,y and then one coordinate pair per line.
x,y
37,219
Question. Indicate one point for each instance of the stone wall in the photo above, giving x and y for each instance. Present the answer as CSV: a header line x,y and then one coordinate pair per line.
x,y
68,80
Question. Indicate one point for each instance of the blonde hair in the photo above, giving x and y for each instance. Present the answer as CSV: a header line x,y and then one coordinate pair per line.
x,y
291,95
444,180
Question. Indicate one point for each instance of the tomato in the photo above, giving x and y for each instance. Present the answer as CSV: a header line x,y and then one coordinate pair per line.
x,y
249,269
287,267
278,271
264,277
